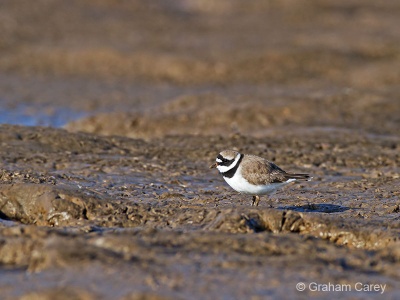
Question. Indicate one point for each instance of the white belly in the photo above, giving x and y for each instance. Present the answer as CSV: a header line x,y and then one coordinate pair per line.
x,y
241,185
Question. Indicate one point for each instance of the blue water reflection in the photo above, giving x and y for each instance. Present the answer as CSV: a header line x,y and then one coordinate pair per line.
x,y
29,115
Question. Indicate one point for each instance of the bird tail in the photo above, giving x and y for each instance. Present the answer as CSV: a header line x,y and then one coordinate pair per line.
x,y
305,177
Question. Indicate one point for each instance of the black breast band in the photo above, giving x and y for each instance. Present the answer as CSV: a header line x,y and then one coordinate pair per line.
x,y
230,173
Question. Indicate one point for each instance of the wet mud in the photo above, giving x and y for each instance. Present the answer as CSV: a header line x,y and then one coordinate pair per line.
x,y
121,204
93,208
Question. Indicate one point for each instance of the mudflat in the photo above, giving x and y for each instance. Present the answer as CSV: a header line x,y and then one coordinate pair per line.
x,y
120,203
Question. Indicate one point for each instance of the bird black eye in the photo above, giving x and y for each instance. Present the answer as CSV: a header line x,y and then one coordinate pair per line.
x,y
222,161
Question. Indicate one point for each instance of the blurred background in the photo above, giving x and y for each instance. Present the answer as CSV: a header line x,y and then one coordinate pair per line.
x,y
151,68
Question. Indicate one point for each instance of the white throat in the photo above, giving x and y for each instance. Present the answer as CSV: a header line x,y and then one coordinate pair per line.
x,y
223,169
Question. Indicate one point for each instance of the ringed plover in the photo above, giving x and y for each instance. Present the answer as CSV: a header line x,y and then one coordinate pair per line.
x,y
253,175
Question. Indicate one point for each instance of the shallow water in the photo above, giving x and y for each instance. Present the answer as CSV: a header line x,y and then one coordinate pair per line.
x,y
38,115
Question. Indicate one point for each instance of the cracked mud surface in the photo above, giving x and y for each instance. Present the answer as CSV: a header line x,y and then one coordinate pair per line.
x,y
121,204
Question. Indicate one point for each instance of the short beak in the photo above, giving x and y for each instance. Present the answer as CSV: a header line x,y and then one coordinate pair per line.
x,y
214,165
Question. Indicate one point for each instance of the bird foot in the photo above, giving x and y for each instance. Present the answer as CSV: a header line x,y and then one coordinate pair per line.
x,y
256,200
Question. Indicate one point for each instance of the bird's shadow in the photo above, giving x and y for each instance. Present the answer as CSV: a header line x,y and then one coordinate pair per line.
x,y
322,208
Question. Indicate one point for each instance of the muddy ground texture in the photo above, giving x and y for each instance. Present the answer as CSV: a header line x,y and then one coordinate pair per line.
x,y
121,204
150,217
